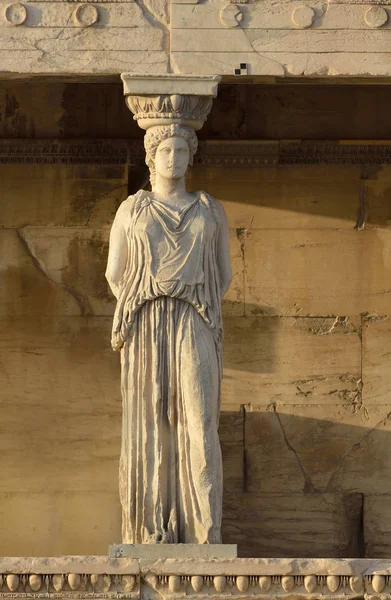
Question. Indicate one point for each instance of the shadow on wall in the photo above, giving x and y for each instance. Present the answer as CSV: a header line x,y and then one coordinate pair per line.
x,y
312,196
299,112
310,487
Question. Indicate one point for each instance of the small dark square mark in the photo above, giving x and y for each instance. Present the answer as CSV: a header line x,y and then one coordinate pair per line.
x,y
243,65
237,71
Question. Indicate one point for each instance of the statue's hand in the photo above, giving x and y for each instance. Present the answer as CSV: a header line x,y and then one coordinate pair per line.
x,y
116,342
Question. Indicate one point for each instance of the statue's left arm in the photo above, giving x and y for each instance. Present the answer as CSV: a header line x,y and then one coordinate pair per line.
x,y
118,251
223,254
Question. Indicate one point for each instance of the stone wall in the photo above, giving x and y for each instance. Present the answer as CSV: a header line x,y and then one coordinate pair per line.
x,y
306,400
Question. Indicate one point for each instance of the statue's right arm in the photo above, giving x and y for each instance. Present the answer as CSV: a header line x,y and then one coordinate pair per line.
x,y
118,251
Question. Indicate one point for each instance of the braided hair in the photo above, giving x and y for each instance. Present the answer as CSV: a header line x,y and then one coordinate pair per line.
x,y
155,135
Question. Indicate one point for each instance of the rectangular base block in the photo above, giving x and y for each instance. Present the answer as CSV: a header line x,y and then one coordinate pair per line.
x,y
157,551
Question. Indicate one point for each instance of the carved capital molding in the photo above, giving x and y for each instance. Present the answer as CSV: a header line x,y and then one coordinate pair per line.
x,y
149,111
169,99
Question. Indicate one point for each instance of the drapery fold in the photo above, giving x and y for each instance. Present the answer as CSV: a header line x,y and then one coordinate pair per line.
x,y
170,466
170,253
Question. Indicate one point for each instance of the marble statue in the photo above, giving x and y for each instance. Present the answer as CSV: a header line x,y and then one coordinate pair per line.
x,y
169,267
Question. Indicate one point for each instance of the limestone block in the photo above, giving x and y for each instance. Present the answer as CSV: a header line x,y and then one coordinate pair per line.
x,y
50,39
270,464
317,41
376,526
317,272
322,62
376,360
280,63
231,434
59,523
62,376
217,40
26,289
377,192
74,259
276,361
61,194
94,60
247,40
157,11
222,62
305,448
293,524
289,197
367,465
233,302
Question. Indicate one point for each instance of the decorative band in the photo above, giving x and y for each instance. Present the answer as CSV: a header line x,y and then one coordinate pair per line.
x,y
213,153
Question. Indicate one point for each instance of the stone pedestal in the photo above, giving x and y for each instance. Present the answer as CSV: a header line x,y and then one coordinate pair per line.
x,y
163,551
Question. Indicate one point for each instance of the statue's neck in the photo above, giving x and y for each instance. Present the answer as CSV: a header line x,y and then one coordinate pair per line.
x,y
172,191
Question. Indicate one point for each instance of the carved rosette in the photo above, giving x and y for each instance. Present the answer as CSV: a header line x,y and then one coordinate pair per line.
x,y
170,99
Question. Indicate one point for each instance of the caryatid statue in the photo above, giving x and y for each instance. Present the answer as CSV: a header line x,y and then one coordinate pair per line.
x,y
169,267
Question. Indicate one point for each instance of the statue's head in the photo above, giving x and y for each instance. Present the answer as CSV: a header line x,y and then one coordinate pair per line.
x,y
169,150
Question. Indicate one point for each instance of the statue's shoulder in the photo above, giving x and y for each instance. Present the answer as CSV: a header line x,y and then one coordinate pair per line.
x,y
132,203
216,206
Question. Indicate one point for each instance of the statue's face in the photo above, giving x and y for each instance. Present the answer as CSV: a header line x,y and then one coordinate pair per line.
x,y
172,158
